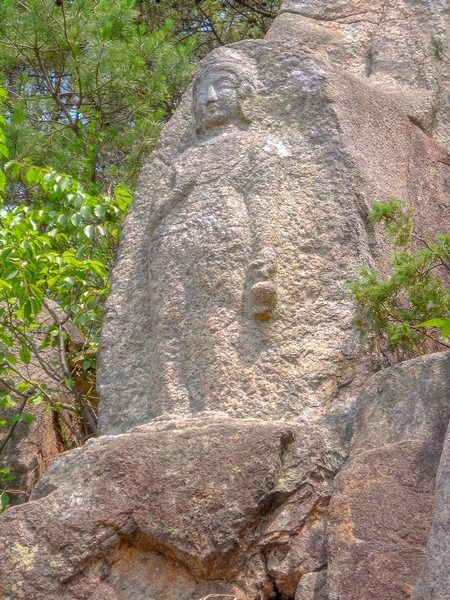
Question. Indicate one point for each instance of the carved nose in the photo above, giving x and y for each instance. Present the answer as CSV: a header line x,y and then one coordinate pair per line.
x,y
212,96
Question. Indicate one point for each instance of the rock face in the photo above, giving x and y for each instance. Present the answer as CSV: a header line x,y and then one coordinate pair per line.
x,y
255,458
382,506
28,453
388,44
240,508
229,292
172,510
434,583
229,248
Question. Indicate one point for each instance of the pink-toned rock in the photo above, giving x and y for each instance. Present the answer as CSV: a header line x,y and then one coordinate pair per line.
x,y
312,586
177,509
434,582
382,506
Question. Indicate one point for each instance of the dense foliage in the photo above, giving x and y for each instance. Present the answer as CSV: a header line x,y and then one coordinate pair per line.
x,y
55,256
409,310
90,82
212,22
89,86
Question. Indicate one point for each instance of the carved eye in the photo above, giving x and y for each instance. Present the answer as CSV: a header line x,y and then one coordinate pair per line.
x,y
202,96
225,83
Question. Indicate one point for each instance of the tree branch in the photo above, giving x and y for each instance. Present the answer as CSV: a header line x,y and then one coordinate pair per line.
x,y
86,409
53,93
255,8
14,425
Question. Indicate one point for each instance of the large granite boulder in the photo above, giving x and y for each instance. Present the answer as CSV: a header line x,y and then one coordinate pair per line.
x,y
177,509
230,367
250,217
190,507
382,505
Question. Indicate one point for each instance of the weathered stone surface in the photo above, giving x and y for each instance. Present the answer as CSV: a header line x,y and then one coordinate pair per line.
x,y
229,296
389,44
29,452
382,506
434,583
190,507
177,509
229,289
312,586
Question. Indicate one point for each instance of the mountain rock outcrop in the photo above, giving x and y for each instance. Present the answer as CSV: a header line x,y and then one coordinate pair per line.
x,y
249,447
434,583
382,507
189,507
251,215
177,509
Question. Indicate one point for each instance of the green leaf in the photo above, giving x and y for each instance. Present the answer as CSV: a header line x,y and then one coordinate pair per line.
x,y
7,401
27,418
89,231
36,302
435,323
85,212
62,219
25,355
80,251
4,500
33,175
76,219
70,259
11,275
100,210
98,267
27,309
5,285
443,324
6,339
36,399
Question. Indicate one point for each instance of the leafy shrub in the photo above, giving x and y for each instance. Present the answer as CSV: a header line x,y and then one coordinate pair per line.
x,y
56,251
409,310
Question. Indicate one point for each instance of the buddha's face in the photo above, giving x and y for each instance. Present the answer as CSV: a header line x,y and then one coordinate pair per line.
x,y
216,99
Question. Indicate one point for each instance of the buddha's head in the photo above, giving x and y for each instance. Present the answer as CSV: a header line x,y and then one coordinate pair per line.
x,y
220,86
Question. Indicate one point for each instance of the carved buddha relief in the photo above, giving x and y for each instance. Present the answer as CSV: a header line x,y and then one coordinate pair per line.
x,y
233,216
218,95
224,220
